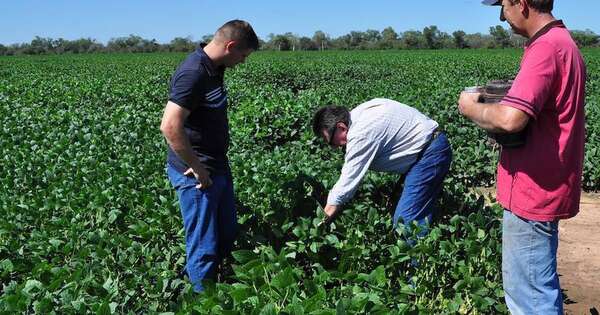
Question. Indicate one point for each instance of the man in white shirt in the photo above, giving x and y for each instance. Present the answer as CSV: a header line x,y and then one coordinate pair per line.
x,y
387,136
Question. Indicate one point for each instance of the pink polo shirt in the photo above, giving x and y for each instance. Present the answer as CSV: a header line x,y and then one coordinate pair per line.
x,y
541,181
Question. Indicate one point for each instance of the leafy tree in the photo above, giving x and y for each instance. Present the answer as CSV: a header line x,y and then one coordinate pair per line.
x,y
478,40
413,40
40,45
342,42
305,43
432,37
181,44
389,38
459,39
207,38
501,36
279,42
370,39
446,40
82,45
261,43
585,38
517,40
321,39
293,40
355,39
15,49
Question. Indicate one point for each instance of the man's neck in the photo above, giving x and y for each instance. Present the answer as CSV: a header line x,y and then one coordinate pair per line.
x,y
215,52
537,22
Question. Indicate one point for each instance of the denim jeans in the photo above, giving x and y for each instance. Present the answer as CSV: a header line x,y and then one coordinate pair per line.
x,y
209,220
529,273
423,183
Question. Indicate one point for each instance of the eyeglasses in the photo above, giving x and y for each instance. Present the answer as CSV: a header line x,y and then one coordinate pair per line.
x,y
331,135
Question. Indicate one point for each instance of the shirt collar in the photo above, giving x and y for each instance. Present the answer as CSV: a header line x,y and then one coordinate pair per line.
x,y
211,68
544,30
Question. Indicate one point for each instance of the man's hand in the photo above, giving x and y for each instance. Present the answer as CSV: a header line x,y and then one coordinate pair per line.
x,y
201,174
331,212
495,118
172,128
466,102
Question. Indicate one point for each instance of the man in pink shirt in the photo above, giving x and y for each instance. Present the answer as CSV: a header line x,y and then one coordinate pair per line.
x,y
538,183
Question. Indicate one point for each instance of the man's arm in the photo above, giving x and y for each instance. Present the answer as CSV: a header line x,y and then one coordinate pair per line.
x,y
359,155
496,118
172,129
331,210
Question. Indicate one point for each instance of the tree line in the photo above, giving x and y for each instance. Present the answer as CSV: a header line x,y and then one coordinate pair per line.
x,y
429,38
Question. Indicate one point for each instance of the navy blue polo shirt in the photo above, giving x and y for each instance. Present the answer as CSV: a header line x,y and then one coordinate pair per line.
x,y
197,85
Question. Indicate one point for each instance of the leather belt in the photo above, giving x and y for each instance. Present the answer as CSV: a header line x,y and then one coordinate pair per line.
x,y
434,135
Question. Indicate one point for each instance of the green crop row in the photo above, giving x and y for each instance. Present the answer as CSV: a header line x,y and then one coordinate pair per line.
x,y
90,223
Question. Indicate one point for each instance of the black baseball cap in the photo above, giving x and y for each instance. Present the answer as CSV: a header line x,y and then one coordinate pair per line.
x,y
492,2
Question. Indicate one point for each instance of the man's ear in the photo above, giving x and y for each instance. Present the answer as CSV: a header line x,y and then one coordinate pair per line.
x,y
231,45
342,126
524,7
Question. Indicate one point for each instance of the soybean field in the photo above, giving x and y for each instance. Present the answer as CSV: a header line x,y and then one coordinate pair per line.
x,y
90,224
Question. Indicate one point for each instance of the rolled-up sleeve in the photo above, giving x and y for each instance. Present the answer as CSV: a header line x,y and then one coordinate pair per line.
x,y
359,155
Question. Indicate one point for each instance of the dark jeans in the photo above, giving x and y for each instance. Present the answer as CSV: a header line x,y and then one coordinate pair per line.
x,y
423,183
210,223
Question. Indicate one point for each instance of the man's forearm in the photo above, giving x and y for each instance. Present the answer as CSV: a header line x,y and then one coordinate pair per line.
x,y
179,143
495,118
486,116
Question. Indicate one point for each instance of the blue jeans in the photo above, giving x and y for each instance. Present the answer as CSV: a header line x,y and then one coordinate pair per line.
x,y
529,273
423,183
209,220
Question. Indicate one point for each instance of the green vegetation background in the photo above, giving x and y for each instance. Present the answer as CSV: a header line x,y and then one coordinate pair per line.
x,y
90,224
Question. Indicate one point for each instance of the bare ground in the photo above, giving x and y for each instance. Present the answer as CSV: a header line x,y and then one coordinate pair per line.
x,y
579,256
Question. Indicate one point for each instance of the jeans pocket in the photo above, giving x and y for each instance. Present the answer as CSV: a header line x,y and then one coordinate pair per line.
x,y
178,180
545,228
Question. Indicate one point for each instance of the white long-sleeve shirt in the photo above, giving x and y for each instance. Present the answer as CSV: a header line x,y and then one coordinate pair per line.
x,y
384,135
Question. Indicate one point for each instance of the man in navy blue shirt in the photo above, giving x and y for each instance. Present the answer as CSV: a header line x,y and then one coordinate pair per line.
x,y
196,128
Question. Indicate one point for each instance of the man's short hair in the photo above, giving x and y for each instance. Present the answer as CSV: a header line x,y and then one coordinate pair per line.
x,y
543,6
327,118
239,31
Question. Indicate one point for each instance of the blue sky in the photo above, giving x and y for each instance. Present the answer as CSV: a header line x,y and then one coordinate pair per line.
x,y
21,20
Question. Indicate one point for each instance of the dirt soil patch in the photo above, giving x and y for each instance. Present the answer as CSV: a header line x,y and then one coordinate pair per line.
x,y
578,256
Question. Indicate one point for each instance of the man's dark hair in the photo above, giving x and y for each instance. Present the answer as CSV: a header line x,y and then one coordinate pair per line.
x,y
239,31
543,6
327,117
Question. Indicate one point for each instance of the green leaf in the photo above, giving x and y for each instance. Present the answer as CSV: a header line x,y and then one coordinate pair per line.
x,y
7,265
377,276
269,309
32,287
240,293
284,279
244,256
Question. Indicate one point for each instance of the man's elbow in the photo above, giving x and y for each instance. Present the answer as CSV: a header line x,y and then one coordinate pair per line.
x,y
164,127
513,125
167,128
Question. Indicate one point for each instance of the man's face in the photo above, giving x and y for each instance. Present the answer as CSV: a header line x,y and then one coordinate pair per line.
x,y
337,137
511,13
235,55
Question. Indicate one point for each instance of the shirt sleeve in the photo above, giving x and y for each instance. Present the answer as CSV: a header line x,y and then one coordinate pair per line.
x,y
186,88
359,155
534,82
